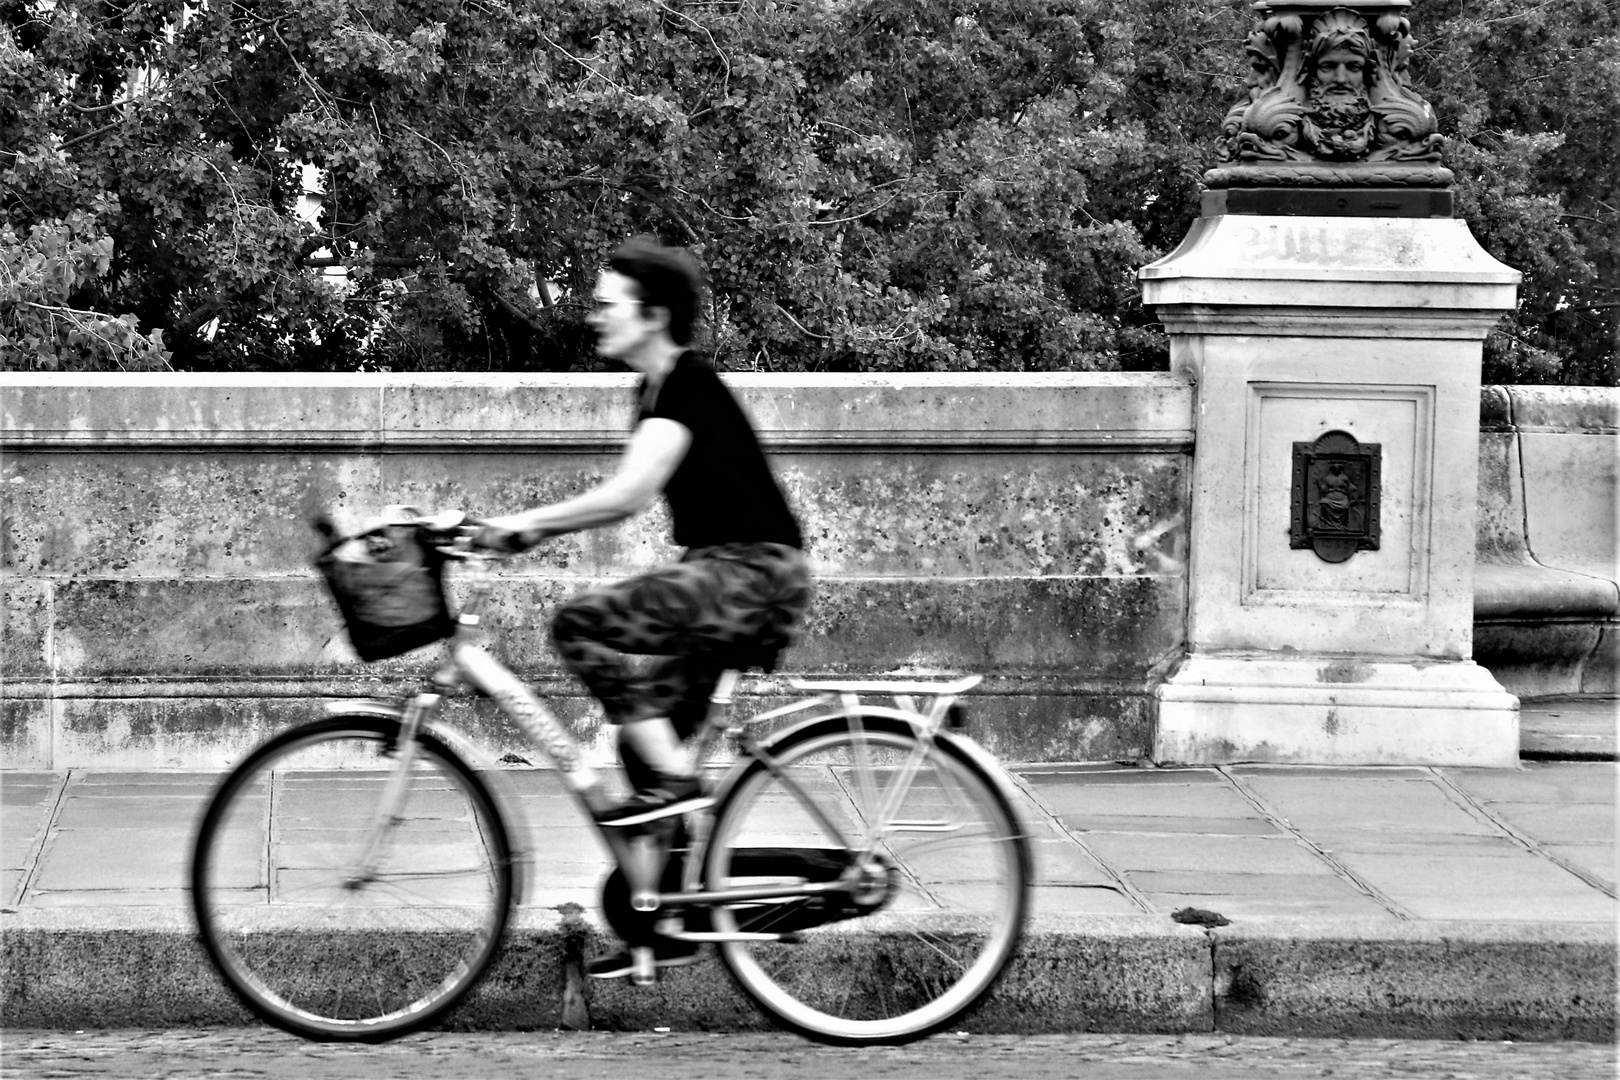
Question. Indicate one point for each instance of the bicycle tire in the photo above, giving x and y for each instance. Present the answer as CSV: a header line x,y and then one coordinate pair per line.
x,y
304,943
939,927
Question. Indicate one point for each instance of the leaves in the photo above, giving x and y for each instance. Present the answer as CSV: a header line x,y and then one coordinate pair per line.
x,y
42,274
872,184
1529,98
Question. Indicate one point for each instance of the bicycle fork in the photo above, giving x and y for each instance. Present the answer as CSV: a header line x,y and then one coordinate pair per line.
x,y
391,806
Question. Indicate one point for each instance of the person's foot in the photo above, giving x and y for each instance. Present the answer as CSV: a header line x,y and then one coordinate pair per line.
x,y
666,954
673,795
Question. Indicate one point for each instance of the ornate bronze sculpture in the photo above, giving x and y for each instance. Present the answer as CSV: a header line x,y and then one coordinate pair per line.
x,y
1329,102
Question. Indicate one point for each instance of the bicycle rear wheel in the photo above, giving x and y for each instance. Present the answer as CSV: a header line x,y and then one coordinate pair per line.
x,y
322,931
939,865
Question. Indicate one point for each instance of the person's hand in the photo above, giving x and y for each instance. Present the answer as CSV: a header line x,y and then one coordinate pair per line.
x,y
495,536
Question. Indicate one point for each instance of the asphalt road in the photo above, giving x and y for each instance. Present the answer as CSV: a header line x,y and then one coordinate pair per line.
x,y
255,1053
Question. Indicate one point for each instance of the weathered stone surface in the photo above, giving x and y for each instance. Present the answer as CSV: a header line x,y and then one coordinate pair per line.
x,y
1434,981
1570,492
153,515
1547,584
163,514
192,626
1030,528
191,409
1420,274
161,606
1104,974
25,732
206,723
1590,410
1081,974
360,410
1499,530
25,627
1072,974
1542,657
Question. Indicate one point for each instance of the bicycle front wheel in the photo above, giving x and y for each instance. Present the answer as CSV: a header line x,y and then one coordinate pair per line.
x,y
333,916
934,860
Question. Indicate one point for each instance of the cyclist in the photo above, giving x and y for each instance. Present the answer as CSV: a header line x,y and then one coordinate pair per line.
x,y
742,582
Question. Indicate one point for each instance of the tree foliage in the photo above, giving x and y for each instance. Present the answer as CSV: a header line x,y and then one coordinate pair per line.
x,y
872,184
1528,95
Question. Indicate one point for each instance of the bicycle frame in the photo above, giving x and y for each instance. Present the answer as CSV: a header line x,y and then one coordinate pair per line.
x,y
641,854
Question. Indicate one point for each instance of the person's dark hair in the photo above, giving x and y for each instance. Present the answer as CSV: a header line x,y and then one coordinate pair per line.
x,y
668,277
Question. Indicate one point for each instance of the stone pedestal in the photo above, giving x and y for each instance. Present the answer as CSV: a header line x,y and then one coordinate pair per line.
x,y
1293,327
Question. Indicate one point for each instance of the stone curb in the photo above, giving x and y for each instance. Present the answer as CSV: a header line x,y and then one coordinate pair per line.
x,y
142,967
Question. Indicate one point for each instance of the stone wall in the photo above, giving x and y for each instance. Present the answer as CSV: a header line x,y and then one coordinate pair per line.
x,y
160,610
1547,572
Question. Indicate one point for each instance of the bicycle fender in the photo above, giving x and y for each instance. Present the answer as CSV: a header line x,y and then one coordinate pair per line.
x,y
383,710
778,738
887,711
964,744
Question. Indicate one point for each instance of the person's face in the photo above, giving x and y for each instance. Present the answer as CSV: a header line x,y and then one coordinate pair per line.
x,y
1340,71
624,328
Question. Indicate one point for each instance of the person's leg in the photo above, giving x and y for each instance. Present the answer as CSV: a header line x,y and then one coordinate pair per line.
x,y
694,616
596,633
653,742
691,617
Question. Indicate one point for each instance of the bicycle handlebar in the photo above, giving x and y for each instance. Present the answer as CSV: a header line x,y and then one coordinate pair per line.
x,y
453,533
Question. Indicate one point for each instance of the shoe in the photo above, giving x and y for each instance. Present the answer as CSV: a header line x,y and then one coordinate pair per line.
x,y
672,796
666,954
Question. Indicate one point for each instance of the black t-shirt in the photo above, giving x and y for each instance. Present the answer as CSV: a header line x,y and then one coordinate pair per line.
x,y
723,491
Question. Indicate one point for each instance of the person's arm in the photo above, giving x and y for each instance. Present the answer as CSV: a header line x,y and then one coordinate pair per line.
x,y
655,450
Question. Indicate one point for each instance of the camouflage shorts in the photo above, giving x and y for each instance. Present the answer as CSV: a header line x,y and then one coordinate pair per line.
x,y
734,605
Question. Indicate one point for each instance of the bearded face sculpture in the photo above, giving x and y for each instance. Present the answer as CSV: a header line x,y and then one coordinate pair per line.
x,y
1338,124
1327,90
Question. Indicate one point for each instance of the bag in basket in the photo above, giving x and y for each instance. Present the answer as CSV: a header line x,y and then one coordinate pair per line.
x,y
389,585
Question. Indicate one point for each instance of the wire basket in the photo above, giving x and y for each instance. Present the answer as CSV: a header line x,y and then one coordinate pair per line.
x,y
389,584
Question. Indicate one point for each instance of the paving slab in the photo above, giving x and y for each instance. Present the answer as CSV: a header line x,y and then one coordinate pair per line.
x,y
27,788
1048,899
27,801
11,883
1166,824
1503,888
95,859
1261,855
114,901
1579,823
1540,781
1407,802
1258,909
1059,861
1334,841
1080,799
1597,860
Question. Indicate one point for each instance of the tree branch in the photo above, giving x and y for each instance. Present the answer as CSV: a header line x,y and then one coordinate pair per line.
x,y
87,136
515,311
102,108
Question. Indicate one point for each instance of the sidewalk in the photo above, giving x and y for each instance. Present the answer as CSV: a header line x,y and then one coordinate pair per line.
x,y
1439,902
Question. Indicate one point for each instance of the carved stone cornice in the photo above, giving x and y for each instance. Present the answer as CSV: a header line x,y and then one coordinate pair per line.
x,y
1317,174
1329,102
